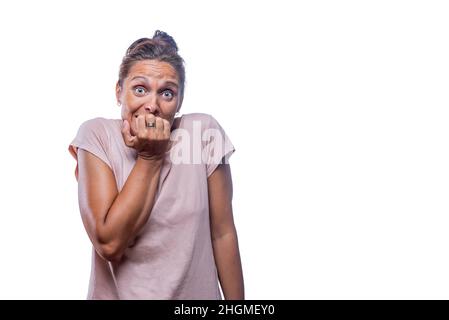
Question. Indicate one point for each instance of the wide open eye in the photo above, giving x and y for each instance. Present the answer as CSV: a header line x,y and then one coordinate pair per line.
x,y
139,90
168,94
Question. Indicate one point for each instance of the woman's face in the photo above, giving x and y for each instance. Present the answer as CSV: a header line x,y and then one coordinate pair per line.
x,y
151,86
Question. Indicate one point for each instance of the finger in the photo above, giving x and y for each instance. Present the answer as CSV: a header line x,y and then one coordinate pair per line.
x,y
167,128
141,130
159,126
150,118
126,132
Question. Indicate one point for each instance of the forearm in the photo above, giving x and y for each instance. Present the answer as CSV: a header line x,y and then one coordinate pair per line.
x,y
229,267
132,207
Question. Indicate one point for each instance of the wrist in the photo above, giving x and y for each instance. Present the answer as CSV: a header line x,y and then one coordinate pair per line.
x,y
152,160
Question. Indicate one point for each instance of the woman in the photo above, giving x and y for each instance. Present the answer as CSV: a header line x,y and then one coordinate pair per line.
x,y
155,190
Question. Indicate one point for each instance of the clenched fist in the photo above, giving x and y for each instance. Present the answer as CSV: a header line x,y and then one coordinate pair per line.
x,y
150,136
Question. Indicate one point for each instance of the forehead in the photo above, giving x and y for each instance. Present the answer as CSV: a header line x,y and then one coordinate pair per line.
x,y
153,69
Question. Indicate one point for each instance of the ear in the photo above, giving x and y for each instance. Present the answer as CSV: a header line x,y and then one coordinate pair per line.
x,y
118,91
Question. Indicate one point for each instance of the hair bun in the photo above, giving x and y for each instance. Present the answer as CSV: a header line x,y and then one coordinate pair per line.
x,y
167,39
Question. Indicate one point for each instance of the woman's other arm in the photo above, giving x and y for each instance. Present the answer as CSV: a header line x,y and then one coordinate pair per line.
x,y
224,235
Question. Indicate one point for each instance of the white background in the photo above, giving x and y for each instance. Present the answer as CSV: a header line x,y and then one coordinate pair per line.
x,y
338,111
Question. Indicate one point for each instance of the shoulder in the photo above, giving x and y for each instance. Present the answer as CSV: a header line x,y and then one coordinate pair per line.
x,y
98,123
204,120
99,126
190,117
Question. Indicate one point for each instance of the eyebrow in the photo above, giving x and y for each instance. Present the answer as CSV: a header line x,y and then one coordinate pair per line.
x,y
172,82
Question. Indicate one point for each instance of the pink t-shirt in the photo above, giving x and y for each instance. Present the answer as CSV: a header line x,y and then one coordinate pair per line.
x,y
172,257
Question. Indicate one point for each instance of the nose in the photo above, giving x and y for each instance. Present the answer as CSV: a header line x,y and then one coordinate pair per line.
x,y
152,106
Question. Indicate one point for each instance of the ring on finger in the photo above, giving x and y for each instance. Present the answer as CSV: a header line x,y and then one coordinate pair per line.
x,y
150,125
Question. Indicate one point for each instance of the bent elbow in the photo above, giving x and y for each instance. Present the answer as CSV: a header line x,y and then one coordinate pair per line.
x,y
110,252
108,248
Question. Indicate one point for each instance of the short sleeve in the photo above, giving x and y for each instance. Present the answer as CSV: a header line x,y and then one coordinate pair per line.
x,y
92,136
219,147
